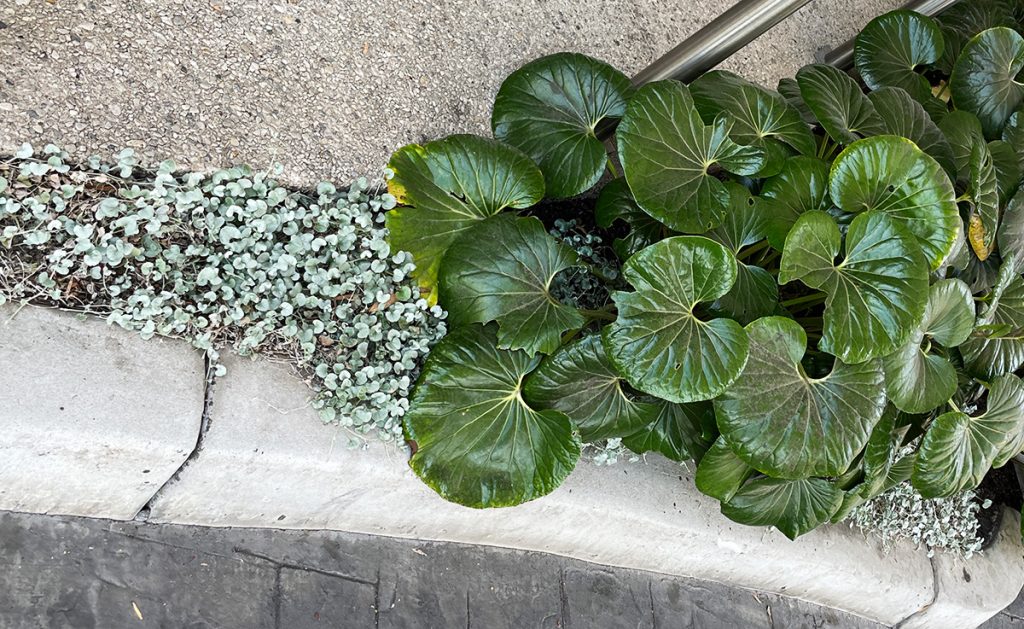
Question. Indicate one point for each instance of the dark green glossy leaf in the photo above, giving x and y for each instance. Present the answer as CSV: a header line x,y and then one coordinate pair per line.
x,y
657,342
802,186
958,449
964,20
838,103
890,174
788,425
743,223
755,293
876,296
984,192
790,90
616,203
963,130
893,46
721,473
477,442
949,317
991,357
1013,134
875,463
792,506
1007,397
759,117
903,116
549,109
668,155
446,187
984,78
1011,229
579,381
679,432
918,381
501,270
1004,160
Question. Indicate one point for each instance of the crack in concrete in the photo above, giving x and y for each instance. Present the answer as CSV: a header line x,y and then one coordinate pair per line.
x,y
277,597
935,596
650,596
149,540
295,566
204,427
563,601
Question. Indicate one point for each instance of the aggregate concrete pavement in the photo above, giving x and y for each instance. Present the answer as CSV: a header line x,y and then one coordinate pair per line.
x,y
328,88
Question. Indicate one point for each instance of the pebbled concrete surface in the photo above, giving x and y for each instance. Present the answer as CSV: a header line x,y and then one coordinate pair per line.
x,y
327,87
82,573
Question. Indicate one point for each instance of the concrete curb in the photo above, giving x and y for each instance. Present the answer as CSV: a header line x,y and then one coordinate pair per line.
x,y
267,461
93,419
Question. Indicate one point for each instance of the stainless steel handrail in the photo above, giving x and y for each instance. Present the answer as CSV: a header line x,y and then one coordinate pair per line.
x,y
842,56
742,23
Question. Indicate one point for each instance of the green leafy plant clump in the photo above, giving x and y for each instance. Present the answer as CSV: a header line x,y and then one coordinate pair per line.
x,y
226,259
813,279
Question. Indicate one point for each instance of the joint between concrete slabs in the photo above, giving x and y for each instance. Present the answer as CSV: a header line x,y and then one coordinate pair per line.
x,y
204,427
93,417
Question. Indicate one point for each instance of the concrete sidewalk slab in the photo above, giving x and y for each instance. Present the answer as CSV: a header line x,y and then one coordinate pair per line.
x,y
93,419
267,462
328,88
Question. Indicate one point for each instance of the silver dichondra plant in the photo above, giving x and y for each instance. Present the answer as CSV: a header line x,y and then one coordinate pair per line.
x,y
226,259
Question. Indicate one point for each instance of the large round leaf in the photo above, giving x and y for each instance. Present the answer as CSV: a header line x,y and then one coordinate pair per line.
x,y
678,432
903,116
669,157
477,442
792,506
549,109
501,270
837,102
983,188
657,342
802,186
984,79
616,203
892,175
916,380
892,46
876,296
958,449
721,473
788,425
579,381
447,186
760,117
964,20
991,355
